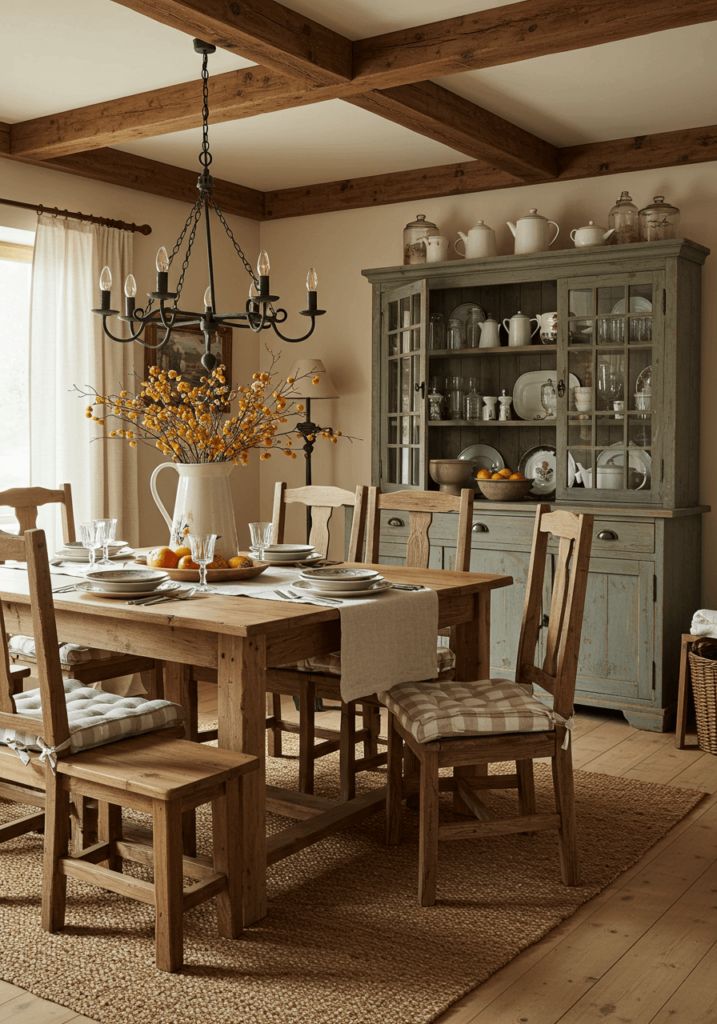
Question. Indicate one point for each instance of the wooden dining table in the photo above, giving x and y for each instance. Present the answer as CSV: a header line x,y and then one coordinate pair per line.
x,y
241,637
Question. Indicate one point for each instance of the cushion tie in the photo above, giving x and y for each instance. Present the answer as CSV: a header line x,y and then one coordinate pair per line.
x,y
49,754
567,722
20,749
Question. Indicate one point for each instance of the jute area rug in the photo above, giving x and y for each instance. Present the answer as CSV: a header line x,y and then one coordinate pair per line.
x,y
345,941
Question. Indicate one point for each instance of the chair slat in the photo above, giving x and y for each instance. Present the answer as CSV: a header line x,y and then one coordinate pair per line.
x,y
557,606
418,549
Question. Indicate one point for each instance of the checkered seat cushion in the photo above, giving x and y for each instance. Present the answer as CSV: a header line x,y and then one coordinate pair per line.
x,y
95,717
70,654
434,710
330,664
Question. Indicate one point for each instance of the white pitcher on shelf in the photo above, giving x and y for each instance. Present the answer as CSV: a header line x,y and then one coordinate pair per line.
x,y
203,504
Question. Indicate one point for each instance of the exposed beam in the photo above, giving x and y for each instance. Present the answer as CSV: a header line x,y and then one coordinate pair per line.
x,y
514,32
261,30
667,149
435,112
142,175
4,137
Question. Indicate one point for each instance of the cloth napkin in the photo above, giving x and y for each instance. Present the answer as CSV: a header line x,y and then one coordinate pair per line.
x,y
704,623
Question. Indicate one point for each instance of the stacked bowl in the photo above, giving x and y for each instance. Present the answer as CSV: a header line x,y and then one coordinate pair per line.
x,y
286,554
341,583
125,583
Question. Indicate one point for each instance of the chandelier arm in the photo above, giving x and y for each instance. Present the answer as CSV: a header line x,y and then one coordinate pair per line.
x,y
122,341
293,341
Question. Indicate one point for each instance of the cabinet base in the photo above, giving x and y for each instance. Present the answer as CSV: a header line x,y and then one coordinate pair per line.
x,y
640,717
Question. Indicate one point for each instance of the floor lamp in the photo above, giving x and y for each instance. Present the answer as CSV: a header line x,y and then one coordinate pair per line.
x,y
304,371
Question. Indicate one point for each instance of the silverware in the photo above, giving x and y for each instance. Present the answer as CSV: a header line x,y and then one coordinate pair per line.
x,y
408,586
64,590
162,598
329,601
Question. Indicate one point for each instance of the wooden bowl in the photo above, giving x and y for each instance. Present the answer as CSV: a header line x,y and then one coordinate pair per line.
x,y
217,575
504,490
451,475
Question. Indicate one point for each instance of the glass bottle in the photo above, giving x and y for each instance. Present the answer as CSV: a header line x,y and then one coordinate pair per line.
x,y
658,220
455,395
472,401
473,322
435,404
548,399
624,219
456,335
414,249
437,332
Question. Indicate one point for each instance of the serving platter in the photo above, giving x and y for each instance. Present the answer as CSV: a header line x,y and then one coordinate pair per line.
x,y
218,575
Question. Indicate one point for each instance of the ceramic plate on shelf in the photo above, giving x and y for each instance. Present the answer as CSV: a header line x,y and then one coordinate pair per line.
x,y
639,461
540,464
305,588
483,456
461,312
95,591
526,393
644,381
638,304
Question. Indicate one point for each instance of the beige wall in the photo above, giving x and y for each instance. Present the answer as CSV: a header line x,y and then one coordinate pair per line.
x,y
166,217
340,245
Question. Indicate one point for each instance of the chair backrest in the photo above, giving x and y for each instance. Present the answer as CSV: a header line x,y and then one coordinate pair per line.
x,y
562,646
54,729
421,506
322,501
25,502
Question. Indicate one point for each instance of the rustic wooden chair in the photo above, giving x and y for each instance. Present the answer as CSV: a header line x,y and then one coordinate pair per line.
x,y
469,725
25,502
321,676
136,761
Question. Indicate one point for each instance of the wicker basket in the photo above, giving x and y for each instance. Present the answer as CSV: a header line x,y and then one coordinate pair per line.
x,y
703,676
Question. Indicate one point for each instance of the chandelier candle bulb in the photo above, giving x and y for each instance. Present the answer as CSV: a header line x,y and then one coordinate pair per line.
x,y
105,294
130,291
162,261
208,298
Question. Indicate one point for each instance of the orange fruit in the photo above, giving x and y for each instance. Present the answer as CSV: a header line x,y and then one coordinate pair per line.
x,y
181,552
483,474
185,562
516,476
162,558
505,473
218,562
240,562
497,476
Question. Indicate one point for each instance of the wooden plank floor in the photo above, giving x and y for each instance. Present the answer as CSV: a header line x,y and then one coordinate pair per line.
x,y
644,951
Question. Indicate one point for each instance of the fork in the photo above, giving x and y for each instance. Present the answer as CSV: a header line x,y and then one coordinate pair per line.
x,y
162,598
330,601
64,590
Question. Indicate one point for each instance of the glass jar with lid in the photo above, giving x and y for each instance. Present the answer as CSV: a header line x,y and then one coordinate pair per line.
x,y
455,393
658,220
456,334
414,248
475,318
624,219
472,401
435,403
437,332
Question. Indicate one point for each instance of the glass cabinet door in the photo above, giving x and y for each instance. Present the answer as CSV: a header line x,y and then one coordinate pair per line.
x,y
610,334
403,385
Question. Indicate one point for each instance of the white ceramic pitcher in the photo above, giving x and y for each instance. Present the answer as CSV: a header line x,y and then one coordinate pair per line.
x,y
203,504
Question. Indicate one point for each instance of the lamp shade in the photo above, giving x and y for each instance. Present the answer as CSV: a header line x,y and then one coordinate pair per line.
x,y
308,369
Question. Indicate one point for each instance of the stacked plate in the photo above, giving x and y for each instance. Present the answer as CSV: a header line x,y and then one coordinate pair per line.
x,y
287,554
338,582
76,552
126,582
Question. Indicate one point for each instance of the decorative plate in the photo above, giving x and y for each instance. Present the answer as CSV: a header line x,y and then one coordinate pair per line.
x,y
639,460
644,381
483,457
526,393
540,464
94,591
638,304
329,575
461,312
304,588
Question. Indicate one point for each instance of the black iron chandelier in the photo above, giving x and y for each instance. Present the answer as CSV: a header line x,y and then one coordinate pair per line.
x,y
258,314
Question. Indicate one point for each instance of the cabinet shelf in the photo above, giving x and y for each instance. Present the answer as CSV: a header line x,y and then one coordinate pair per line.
x,y
504,350
492,423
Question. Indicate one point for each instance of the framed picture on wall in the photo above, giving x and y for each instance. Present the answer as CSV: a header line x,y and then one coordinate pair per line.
x,y
184,350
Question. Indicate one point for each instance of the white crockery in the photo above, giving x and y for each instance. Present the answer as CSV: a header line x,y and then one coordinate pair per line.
x,y
126,579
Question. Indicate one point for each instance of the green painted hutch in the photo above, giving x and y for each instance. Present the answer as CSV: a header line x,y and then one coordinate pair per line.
x,y
628,324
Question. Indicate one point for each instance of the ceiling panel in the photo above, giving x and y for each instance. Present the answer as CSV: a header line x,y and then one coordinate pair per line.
x,y
61,54
324,142
655,83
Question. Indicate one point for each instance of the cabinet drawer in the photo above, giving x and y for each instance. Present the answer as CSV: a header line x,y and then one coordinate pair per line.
x,y
617,535
609,535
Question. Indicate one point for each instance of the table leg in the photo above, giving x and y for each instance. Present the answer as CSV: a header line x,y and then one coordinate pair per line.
x,y
242,677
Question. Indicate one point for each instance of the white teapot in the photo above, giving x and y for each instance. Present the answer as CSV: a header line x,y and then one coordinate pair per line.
x,y
591,234
479,242
518,328
531,233
489,337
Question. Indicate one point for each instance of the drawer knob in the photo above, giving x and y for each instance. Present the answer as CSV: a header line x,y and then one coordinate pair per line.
x,y
395,521
607,535
480,528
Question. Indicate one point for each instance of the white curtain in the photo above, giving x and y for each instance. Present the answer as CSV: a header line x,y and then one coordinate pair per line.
x,y
68,348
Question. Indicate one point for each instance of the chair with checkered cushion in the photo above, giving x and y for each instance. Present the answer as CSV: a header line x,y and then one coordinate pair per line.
x,y
124,752
468,725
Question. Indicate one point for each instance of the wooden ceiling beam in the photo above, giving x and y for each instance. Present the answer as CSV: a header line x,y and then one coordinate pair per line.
x,y
260,30
431,110
514,32
142,175
619,156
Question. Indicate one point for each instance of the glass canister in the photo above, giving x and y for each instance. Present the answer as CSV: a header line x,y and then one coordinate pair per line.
x,y
437,332
454,397
456,334
624,219
472,401
548,399
475,318
658,220
414,249
435,404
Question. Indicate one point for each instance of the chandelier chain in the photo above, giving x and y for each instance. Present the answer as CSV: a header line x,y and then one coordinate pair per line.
x,y
185,264
205,157
247,265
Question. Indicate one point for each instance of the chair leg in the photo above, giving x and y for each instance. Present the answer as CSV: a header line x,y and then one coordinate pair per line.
x,y
109,829
526,787
467,770
428,829
83,822
57,836
273,710
371,722
227,815
411,766
394,784
347,752
169,952
565,803
307,724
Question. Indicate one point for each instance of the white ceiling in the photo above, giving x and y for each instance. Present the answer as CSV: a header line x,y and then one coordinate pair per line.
x,y
60,54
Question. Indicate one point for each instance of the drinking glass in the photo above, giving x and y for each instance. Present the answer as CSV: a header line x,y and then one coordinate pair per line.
x,y
202,548
90,538
106,530
260,537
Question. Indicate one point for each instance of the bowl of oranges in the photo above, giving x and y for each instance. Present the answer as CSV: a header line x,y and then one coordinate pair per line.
x,y
503,485
177,563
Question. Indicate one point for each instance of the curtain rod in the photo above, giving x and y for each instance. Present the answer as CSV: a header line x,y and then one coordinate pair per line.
x,y
144,229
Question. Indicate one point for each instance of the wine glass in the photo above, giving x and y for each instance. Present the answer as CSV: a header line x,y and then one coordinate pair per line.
x,y
90,538
106,530
202,548
261,537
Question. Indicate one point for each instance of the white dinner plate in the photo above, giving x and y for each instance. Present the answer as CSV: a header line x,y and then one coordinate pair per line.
x,y
347,587
121,554
288,562
540,464
126,579
461,312
526,393
304,588
638,304
91,588
288,550
342,575
640,461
